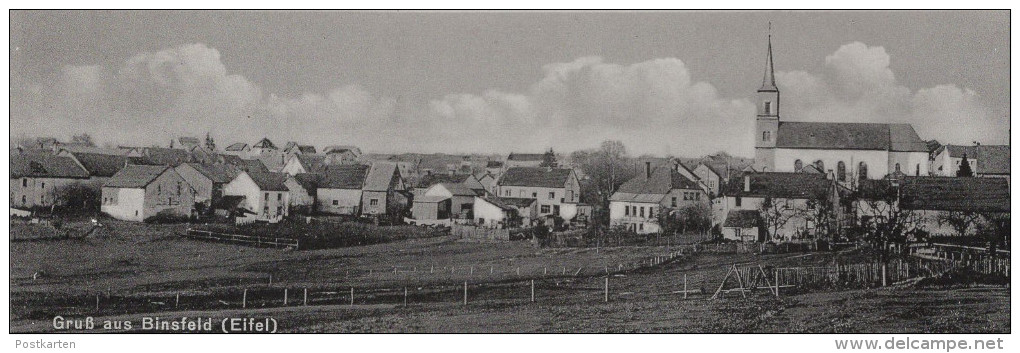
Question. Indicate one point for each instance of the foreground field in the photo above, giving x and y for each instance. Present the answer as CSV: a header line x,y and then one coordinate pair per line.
x,y
147,268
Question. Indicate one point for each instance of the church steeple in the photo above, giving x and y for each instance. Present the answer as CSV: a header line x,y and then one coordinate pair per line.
x,y
769,82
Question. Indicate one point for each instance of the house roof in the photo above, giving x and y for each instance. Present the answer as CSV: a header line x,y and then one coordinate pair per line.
x,y
167,156
105,165
432,179
632,197
252,165
270,181
459,189
535,176
992,159
309,181
662,180
430,198
218,173
858,136
955,194
526,157
342,148
45,165
880,189
379,177
495,201
135,176
343,176
264,143
742,219
240,146
780,185
311,162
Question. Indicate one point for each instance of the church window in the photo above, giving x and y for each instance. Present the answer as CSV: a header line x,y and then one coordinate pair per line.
x,y
897,167
917,170
820,165
798,165
862,170
768,108
841,171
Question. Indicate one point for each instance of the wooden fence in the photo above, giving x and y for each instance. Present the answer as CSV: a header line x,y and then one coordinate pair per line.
x,y
286,243
468,232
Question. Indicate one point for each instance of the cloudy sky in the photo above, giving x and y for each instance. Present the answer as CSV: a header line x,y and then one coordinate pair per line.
x,y
677,83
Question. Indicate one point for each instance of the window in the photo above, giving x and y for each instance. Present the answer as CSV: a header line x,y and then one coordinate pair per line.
x,y
42,198
178,188
897,167
641,226
159,189
642,211
552,195
556,210
267,196
507,192
279,210
373,202
840,171
820,165
674,201
279,196
336,203
24,182
862,170
651,212
626,210
798,165
738,201
23,201
545,208
917,170
768,107
764,135
43,186
534,195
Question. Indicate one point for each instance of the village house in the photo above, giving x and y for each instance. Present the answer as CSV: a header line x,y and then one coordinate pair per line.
x,y
138,192
488,182
556,190
638,203
851,150
793,202
336,155
303,188
461,198
36,178
361,190
303,163
710,177
208,180
240,149
494,168
504,212
984,160
293,148
467,180
524,160
265,194
384,191
429,210
742,225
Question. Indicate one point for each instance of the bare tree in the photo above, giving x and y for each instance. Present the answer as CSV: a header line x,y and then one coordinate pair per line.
x,y
961,221
605,169
775,214
83,139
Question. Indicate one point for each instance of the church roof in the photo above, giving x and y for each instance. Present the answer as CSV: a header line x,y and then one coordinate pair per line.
x,y
849,136
768,83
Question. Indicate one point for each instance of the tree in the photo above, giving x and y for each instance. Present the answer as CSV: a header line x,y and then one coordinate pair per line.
x,y
83,139
820,213
209,143
884,223
604,169
960,221
549,159
77,196
964,170
775,214
996,229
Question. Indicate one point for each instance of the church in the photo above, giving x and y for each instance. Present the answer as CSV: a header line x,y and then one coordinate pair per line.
x,y
850,151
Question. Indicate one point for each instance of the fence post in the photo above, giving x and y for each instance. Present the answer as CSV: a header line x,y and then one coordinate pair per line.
x,y
607,289
532,291
352,296
177,300
285,297
97,302
270,279
777,283
405,297
685,286
244,298
883,275
305,301
465,292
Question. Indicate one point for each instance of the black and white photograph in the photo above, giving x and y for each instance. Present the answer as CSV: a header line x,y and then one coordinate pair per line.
x,y
756,172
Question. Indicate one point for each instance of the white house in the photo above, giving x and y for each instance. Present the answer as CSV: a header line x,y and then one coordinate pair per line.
x,y
557,190
138,192
639,201
265,194
984,160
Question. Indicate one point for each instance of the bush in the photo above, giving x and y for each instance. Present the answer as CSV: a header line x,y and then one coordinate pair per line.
x,y
167,216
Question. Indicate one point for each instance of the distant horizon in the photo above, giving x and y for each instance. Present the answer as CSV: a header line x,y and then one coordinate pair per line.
x,y
664,83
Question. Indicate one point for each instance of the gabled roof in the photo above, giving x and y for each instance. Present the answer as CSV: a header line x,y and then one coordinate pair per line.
x,y
857,136
430,198
662,181
432,179
343,176
264,143
955,194
535,176
780,185
240,146
458,189
311,162
167,156
379,177
309,181
45,165
252,166
104,165
508,203
135,176
270,181
218,173
532,157
341,149
742,219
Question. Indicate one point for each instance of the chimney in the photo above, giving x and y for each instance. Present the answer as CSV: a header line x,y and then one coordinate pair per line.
x,y
648,170
747,183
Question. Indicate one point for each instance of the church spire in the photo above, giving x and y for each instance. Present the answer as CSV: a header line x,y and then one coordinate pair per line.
x,y
769,82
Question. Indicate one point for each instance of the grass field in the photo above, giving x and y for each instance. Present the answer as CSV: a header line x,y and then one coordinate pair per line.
x,y
143,262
